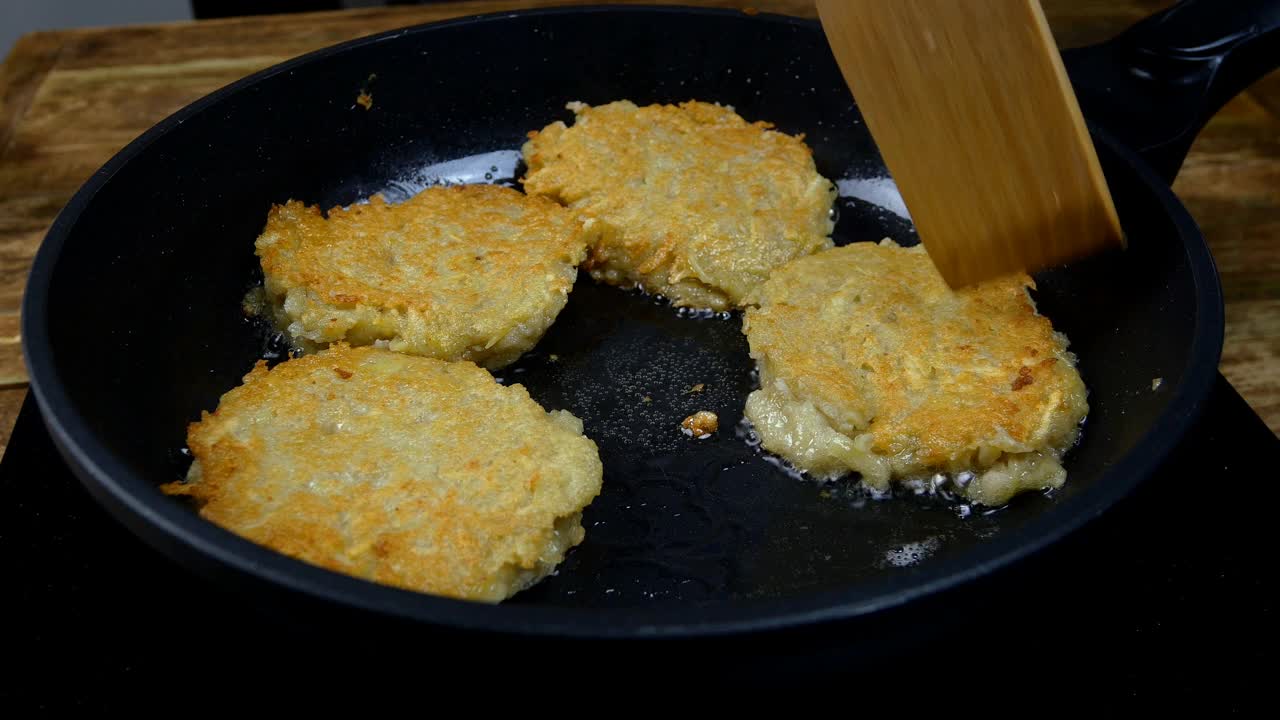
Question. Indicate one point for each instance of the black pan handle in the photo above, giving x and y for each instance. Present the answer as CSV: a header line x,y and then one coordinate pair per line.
x,y
1155,85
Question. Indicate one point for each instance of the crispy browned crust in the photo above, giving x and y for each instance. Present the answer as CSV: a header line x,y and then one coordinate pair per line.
x,y
472,272
689,200
913,377
403,470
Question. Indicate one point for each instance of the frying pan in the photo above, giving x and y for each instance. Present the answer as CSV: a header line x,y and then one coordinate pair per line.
x,y
132,321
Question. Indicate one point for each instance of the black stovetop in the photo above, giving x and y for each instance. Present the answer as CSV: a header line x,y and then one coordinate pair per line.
x,y
1163,601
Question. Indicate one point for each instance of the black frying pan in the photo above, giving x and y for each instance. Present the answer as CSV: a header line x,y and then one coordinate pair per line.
x,y
131,322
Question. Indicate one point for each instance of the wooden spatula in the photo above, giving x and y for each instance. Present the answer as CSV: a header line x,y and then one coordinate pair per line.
x,y
970,106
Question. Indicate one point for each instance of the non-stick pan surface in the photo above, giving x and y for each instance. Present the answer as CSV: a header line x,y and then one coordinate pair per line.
x,y
132,325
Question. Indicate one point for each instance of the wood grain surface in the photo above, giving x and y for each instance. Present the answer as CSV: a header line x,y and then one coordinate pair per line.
x,y
974,115
71,99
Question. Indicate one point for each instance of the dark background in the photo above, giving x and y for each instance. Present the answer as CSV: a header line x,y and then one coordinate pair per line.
x,y
1163,603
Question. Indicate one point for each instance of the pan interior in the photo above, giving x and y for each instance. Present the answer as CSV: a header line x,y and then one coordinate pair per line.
x,y
147,331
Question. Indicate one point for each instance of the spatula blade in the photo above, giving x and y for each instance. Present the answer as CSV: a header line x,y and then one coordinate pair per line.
x,y
970,105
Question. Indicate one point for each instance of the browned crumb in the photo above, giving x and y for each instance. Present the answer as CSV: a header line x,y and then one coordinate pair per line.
x,y
646,399
697,388
700,424
255,301
343,373
1156,383
553,357
365,100
1024,378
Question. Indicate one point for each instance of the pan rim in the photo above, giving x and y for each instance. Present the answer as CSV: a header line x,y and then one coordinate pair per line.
x,y
179,533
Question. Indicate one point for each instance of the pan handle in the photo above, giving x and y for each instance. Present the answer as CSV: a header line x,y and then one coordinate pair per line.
x,y
1155,85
